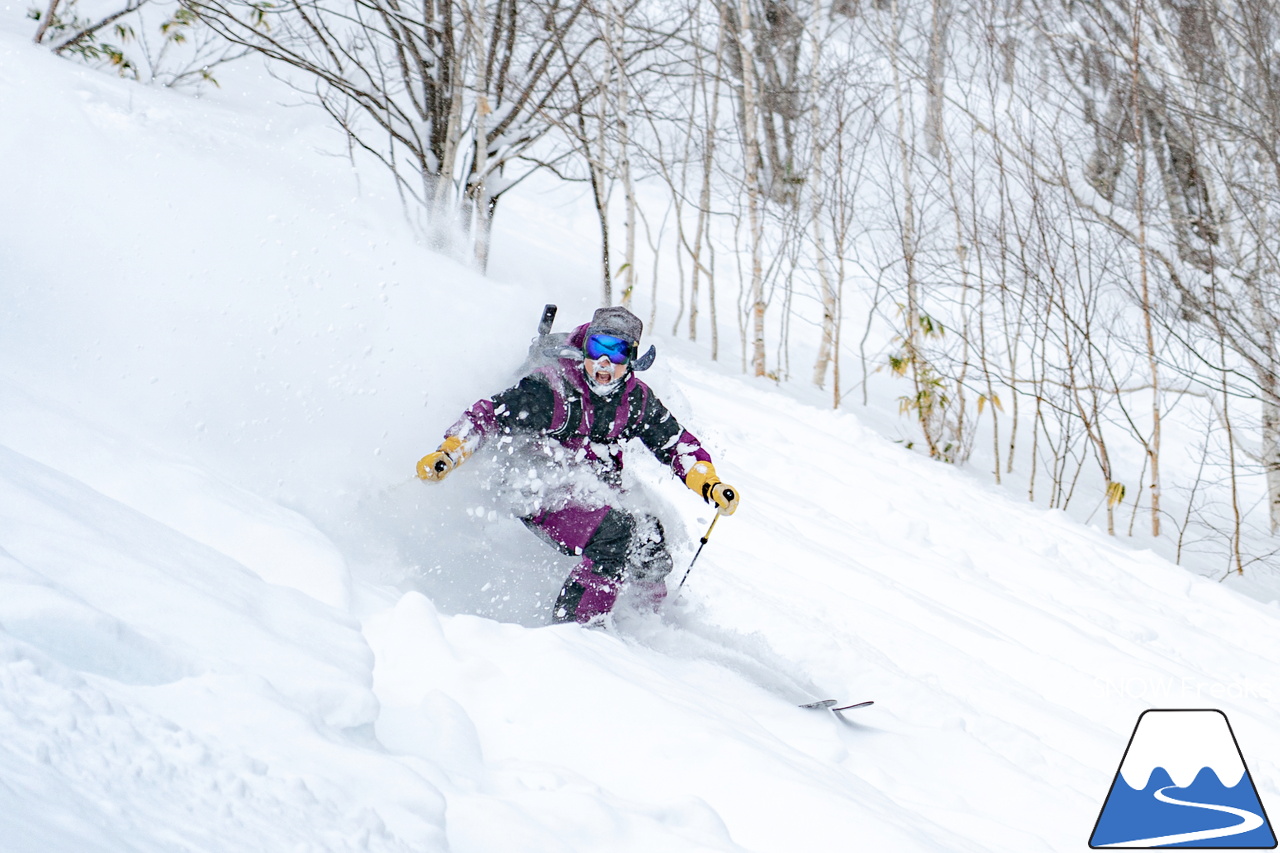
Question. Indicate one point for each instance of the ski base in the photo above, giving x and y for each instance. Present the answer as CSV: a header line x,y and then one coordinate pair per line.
x,y
834,704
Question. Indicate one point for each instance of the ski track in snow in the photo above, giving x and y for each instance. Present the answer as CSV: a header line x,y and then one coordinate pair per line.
x,y
230,619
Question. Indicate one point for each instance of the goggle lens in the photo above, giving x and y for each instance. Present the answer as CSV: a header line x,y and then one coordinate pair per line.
x,y
617,350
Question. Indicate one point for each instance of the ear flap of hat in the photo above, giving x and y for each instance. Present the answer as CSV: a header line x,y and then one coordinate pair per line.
x,y
645,361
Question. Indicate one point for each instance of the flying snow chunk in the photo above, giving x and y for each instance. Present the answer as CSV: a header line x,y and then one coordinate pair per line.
x,y
1183,783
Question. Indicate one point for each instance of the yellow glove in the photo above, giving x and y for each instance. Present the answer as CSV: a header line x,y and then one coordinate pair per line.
x,y
436,466
725,498
702,479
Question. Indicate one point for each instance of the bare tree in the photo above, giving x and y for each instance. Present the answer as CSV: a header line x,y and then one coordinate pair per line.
x,y
450,96
1202,81
151,41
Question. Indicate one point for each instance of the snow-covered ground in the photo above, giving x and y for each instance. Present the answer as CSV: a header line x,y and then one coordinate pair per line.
x,y
232,619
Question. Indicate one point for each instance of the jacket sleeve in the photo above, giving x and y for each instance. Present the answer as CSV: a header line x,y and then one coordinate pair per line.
x,y
529,406
674,445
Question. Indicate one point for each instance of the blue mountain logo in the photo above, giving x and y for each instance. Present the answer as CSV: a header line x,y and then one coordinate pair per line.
x,y
1183,783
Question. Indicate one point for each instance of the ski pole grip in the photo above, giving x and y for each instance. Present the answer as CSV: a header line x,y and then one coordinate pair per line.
x,y
441,466
729,496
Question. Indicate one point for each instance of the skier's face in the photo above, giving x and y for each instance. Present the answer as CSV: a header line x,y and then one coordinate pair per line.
x,y
605,358
602,371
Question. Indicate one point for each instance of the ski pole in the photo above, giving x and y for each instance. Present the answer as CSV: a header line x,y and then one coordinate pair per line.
x,y
702,544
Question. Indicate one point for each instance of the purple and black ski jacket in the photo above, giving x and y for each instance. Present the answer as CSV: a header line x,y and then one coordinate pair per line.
x,y
557,402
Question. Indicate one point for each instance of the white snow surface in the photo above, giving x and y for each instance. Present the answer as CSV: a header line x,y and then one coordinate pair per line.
x,y
232,619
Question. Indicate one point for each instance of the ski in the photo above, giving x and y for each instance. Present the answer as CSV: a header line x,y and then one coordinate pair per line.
x,y
834,705
855,705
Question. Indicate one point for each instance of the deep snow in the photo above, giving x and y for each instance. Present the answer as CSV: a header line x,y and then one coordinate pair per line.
x,y
231,619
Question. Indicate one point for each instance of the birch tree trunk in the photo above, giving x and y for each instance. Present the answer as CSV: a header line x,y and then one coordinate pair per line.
x,y
712,107
826,344
1269,392
1152,445
911,334
480,220
484,203
615,40
934,86
600,194
751,164
444,178
1271,456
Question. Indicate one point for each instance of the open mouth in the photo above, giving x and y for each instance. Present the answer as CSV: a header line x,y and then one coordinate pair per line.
x,y
603,377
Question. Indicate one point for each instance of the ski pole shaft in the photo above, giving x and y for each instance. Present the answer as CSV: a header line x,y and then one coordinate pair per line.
x,y
702,544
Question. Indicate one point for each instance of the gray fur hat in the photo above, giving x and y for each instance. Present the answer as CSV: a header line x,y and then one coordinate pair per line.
x,y
618,321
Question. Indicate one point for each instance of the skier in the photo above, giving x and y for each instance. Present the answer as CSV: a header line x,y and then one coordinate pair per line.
x,y
578,411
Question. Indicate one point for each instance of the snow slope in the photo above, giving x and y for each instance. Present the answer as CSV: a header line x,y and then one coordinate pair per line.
x,y
230,619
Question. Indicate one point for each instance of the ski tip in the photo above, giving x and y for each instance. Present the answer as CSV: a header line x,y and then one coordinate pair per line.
x,y
855,705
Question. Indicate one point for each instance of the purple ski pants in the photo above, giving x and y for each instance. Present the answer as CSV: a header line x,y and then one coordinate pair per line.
x,y
612,551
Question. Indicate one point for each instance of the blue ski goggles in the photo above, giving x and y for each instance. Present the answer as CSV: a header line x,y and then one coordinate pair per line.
x,y
617,350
